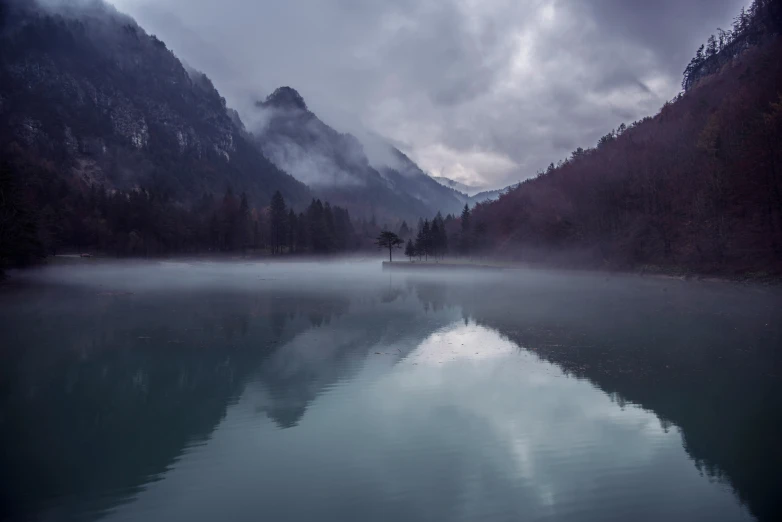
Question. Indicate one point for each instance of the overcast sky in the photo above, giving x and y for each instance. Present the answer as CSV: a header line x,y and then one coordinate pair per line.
x,y
485,92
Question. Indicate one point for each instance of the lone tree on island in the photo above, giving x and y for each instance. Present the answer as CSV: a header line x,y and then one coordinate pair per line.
x,y
389,240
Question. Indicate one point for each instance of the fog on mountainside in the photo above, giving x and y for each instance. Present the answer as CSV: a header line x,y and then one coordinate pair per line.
x,y
110,144
461,187
253,310
88,94
337,167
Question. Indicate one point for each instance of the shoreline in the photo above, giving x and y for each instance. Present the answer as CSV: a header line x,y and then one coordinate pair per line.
x,y
655,272
761,279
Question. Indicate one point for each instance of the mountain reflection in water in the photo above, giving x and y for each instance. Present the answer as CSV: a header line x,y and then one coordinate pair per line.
x,y
207,391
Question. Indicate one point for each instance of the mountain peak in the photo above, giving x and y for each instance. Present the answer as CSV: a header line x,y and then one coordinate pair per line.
x,y
286,97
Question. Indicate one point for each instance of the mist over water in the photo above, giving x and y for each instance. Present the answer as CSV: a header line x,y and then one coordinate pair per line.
x,y
337,391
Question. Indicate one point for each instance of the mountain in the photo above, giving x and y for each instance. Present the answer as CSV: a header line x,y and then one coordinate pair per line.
x,y
488,195
336,166
456,185
85,88
697,187
470,194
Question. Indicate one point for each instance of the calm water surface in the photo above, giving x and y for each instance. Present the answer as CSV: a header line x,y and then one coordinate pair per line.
x,y
251,391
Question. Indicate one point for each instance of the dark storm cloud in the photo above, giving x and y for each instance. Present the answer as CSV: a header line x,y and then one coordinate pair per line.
x,y
484,91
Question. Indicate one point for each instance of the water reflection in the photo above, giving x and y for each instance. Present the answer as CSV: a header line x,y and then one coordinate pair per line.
x,y
403,398
439,437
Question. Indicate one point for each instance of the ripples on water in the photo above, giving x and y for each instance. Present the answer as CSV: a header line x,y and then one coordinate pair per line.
x,y
205,391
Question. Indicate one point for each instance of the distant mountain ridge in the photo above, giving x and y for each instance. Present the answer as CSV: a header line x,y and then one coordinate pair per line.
x,y
457,185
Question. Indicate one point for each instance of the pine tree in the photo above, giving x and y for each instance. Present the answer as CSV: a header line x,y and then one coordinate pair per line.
x,y
465,236
389,240
20,243
410,249
302,233
292,228
434,233
243,223
328,225
229,214
711,47
424,240
439,236
277,219
404,230
318,233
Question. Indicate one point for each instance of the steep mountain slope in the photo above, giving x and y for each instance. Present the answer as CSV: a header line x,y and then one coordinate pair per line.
x,y
337,168
696,187
87,89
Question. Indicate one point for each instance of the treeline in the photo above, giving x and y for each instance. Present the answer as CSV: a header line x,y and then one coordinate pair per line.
x,y
697,187
445,236
44,213
750,28
321,229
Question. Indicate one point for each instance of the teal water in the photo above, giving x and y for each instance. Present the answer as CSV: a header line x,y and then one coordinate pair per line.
x,y
305,391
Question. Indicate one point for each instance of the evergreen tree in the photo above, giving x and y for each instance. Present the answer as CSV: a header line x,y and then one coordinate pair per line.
x,y
464,246
423,242
302,233
410,249
214,232
244,223
277,219
343,230
292,228
711,47
328,226
20,242
229,214
317,227
434,233
439,236
404,230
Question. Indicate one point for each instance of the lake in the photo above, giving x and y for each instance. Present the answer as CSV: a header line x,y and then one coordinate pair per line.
x,y
245,391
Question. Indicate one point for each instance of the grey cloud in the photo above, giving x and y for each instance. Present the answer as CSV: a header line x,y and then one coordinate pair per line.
x,y
458,85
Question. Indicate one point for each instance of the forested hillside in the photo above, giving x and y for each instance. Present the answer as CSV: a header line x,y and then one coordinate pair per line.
x,y
84,87
696,187
109,144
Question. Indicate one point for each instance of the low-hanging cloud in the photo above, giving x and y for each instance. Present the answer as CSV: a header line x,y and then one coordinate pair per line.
x,y
496,88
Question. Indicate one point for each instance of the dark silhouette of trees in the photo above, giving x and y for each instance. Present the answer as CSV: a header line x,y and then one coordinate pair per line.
x,y
410,249
292,229
244,224
423,241
278,221
465,236
20,234
698,187
42,213
439,236
751,27
389,240
404,230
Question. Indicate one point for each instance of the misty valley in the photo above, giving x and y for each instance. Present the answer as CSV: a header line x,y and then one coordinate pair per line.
x,y
339,391
437,261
